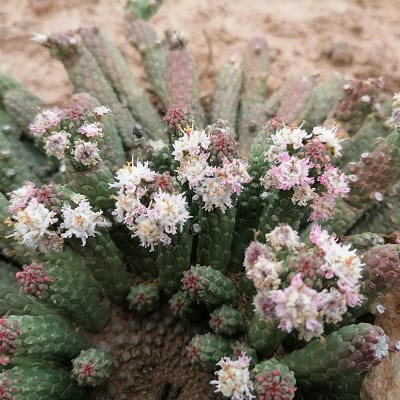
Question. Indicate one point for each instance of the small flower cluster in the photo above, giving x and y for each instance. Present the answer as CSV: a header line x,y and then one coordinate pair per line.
x,y
303,287
300,162
9,333
73,132
234,378
43,217
209,163
394,120
34,280
92,367
360,97
149,204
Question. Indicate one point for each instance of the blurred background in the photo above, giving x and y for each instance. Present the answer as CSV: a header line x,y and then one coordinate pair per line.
x,y
356,37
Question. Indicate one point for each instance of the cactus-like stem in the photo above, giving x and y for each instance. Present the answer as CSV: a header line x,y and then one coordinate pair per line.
x,y
181,77
358,99
382,272
41,338
321,100
278,209
173,260
204,351
339,388
153,52
208,286
86,76
215,237
105,261
362,242
255,64
249,203
226,320
140,261
23,148
264,337
13,172
144,298
22,107
119,74
363,141
92,183
14,301
295,99
92,367
182,306
274,380
228,84
8,83
383,217
376,173
38,382
72,291
350,350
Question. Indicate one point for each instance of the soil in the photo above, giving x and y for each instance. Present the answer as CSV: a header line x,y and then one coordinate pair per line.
x,y
355,37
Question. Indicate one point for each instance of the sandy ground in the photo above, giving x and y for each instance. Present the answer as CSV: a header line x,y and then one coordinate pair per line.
x,y
356,37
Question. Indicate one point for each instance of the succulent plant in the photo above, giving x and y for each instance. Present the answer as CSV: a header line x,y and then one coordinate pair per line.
x,y
135,228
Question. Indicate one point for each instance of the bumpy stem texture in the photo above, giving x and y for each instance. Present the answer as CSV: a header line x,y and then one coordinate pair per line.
x,y
119,74
38,382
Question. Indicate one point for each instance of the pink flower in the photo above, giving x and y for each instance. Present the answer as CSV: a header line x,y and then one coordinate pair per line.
x,y
297,307
91,130
34,279
335,181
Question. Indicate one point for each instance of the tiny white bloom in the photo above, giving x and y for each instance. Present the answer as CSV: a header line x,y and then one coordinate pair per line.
x,y
81,221
101,110
234,378
87,153
56,144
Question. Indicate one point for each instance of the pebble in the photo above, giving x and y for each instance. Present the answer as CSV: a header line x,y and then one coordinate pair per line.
x,y
135,340
122,376
117,327
102,345
126,356
119,340
149,326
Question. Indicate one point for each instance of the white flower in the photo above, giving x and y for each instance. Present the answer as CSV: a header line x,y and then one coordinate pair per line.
x,y
101,110
191,143
131,176
19,198
302,195
56,144
214,195
171,210
381,347
234,378
396,100
283,236
194,169
32,225
87,153
289,137
45,120
149,231
166,216
81,221
91,130
233,174
265,273
330,137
